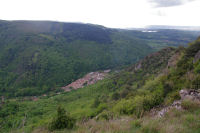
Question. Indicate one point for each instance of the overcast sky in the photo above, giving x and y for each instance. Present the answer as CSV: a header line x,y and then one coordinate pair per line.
x,y
110,13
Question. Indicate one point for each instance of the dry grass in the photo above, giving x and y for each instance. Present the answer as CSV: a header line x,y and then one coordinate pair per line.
x,y
112,126
175,121
122,125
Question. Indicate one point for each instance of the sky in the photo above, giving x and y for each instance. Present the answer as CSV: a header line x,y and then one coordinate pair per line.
x,y
110,13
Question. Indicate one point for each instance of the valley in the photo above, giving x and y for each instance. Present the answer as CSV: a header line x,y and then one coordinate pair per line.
x,y
38,57
83,78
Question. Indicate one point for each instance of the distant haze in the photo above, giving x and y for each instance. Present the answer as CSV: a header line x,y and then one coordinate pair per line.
x,y
110,13
192,28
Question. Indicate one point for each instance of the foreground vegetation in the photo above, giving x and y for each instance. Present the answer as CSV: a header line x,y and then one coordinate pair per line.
x,y
175,121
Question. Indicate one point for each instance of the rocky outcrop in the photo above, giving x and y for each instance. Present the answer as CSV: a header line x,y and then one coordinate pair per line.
x,y
191,94
138,66
176,104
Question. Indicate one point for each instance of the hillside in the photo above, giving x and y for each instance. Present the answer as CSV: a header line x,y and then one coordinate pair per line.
x,y
38,57
124,101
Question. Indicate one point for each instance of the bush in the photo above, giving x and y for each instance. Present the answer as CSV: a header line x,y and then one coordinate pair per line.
x,y
95,103
193,49
115,96
168,87
101,107
105,115
153,99
196,82
171,97
197,67
139,103
125,107
62,120
124,93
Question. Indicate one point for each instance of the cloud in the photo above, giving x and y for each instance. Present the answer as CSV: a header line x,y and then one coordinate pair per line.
x,y
159,13
168,3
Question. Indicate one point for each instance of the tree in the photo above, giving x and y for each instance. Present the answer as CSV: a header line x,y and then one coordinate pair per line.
x,y
62,120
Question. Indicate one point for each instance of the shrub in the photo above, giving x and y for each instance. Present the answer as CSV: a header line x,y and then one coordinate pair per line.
x,y
153,99
168,87
196,82
101,107
124,93
139,103
105,115
171,97
115,96
193,48
95,103
125,106
62,120
197,67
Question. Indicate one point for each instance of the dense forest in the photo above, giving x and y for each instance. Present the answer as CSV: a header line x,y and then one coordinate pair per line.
x,y
37,57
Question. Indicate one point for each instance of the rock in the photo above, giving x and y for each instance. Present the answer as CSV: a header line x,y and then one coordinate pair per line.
x,y
176,105
139,66
183,93
191,94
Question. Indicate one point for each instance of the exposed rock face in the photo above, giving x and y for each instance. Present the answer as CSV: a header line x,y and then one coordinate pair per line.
x,y
185,95
197,57
88,79
176,104
190,95
138,66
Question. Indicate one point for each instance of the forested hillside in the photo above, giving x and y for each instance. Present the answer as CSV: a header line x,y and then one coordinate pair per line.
x,y
39,56
122,102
